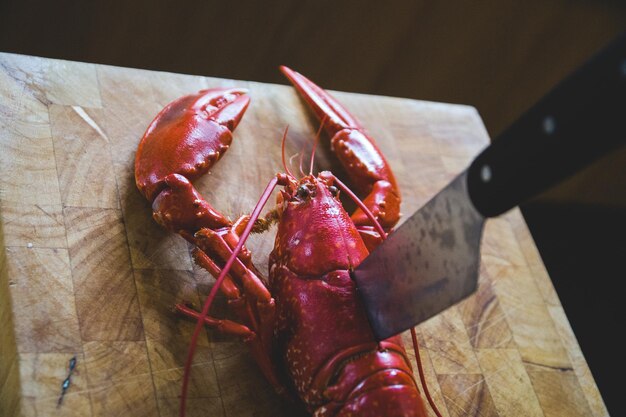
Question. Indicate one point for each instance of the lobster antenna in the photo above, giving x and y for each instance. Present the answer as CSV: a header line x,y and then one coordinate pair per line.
x,y
420,370
317,139
282,146
299,154
207,304
301,158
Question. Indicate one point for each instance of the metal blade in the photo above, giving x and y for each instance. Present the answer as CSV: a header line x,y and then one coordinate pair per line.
x,y
426,265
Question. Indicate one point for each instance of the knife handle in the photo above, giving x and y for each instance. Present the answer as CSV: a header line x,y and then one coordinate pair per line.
x,y
580,120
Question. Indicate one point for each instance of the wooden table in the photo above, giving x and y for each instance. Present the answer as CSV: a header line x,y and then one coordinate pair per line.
x,y
85,272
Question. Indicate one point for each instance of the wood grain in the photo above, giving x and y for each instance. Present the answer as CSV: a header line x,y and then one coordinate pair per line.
x,y
106,296
42,277
86,272
508,383
467,395
10,387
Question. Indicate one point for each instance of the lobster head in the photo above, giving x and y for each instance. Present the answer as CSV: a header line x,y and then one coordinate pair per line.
x,y
315,234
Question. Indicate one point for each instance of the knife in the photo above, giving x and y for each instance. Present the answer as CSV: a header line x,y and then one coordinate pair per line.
x,y
432,260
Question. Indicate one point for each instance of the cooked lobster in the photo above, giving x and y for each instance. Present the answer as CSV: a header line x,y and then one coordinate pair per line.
x,y
307,312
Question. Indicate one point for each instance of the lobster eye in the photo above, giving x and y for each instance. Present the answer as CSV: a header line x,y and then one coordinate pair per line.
x,y
303,192
333,190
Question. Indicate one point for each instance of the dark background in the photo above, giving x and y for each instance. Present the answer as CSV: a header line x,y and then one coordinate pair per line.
x,y
497,55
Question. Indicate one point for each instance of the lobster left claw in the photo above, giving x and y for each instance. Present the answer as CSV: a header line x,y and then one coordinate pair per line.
x,y
182,143
187,137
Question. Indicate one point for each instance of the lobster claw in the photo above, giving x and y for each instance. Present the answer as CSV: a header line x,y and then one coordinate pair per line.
x,y
364,163
321,103
187,137
180,208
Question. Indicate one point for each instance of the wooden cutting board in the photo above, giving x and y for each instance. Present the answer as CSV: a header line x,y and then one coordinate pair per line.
x,y
85,271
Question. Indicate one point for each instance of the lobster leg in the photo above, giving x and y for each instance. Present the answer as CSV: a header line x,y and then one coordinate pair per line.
x,y
224,326
247,297
262,357
365,164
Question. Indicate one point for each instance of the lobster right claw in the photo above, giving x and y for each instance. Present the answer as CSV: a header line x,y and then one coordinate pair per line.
x,y
364,163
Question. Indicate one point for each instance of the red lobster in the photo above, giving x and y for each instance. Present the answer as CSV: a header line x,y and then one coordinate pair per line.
x,y
307,313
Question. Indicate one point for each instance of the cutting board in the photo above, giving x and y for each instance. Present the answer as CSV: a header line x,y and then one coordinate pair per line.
x,y
86,273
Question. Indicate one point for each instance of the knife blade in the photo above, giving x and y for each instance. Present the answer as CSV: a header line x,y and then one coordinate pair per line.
x,y
432,260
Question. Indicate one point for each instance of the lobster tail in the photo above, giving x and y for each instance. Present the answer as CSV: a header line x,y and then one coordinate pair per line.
x,y
376,382
388,401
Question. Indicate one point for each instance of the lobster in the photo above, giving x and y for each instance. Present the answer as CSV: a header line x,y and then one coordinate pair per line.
x,y
304,324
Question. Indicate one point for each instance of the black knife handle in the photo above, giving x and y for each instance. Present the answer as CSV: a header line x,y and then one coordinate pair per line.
x,y
583,118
